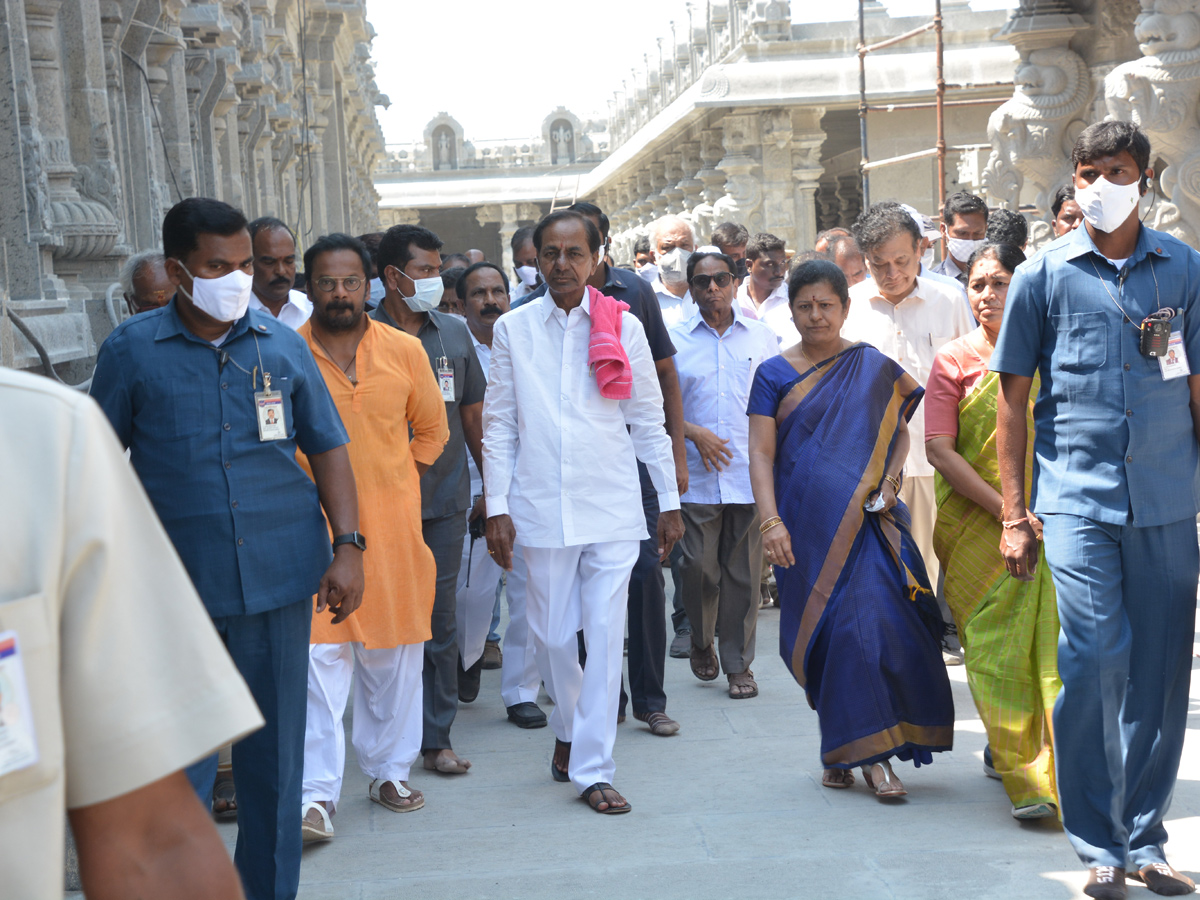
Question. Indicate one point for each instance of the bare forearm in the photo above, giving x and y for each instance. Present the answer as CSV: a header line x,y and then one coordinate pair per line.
x,y
900,455
336,488
1012,439
961,475
156,841
762,483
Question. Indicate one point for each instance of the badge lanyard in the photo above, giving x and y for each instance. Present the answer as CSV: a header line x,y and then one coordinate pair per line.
x,y
1156,339
268,404
444,371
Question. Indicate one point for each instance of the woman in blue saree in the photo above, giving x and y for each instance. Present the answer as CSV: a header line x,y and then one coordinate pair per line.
x,y
859,628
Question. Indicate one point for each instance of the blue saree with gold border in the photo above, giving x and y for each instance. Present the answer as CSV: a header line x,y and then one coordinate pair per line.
x,y
859,627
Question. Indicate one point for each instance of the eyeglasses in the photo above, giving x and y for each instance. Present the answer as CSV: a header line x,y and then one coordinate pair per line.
x,y
701,282
350,283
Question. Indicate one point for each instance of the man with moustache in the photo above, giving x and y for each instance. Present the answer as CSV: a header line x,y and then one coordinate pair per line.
x,y
483,291
383,387
275,273
573,402
763,295
647,588
409,264
186,389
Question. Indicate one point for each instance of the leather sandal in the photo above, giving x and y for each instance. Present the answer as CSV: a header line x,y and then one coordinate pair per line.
x,y
556,773
599,788
885,788
704,663
416,798
313,831
738,682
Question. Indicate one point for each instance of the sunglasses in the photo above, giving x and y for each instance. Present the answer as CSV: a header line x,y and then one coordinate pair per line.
x,y
701,282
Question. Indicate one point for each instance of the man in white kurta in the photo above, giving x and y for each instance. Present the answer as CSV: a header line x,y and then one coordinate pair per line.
x,y
561,481
483,290
907,317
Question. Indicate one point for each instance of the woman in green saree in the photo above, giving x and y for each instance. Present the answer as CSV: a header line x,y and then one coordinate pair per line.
x,y
1008,628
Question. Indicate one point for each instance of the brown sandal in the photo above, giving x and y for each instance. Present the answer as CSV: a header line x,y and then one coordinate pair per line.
x,y
704,663
738,684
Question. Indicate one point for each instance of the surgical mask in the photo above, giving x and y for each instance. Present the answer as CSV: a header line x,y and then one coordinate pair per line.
x,y
528,275
427,296
649,271
1106,205
226,299
927,258
961,248
672,267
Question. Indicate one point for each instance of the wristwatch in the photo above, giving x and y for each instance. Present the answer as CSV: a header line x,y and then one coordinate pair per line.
x,y
355,537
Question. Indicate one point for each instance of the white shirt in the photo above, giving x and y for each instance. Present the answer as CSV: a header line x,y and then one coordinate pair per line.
x,y
293,314
715,374
775,299
675,310
911,333
557,457
484,354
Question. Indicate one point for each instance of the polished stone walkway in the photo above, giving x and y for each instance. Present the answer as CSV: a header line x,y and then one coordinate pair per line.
x,y
731,807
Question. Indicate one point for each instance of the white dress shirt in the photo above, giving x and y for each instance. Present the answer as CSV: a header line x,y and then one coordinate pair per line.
x,y
484,354
293,314
674,309
557,457
910,332
715,373
775,299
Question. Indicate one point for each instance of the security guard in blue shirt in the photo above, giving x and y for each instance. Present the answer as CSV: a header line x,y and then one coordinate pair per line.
x,y
1109,315
213,399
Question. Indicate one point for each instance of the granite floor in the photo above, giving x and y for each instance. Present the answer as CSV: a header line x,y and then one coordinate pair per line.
x,y
730,807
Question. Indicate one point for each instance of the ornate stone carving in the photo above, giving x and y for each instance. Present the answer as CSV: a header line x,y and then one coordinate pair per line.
x,y
1032,133
1159,92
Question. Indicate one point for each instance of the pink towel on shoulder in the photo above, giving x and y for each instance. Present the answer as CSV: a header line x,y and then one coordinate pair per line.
x,y
606,356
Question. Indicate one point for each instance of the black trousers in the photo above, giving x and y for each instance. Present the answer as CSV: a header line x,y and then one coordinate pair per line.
x,y
647,615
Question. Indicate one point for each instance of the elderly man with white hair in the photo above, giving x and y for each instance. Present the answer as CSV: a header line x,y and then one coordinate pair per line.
x,y
144,282
672,242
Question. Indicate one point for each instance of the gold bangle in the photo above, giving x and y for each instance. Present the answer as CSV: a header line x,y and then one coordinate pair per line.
x,y
894,482
769,524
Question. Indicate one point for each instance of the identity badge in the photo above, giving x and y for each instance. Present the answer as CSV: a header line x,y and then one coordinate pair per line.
x,y
268,404
445,377
18,740
1174,363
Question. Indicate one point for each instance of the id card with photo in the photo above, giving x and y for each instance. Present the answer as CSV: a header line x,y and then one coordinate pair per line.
x,y
269,407
18,739
445,377
1174,363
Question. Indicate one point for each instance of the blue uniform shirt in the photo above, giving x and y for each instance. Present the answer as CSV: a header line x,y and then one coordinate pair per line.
x,y
1112,439
244,517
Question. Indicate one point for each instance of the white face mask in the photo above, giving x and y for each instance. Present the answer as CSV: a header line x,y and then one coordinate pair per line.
x,y
672,267
428,294
961,249
1106,205
528,275
649,271
226,299
927,258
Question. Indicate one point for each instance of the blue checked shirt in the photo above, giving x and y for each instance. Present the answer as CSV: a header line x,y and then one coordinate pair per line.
x,y
1113,441
243,516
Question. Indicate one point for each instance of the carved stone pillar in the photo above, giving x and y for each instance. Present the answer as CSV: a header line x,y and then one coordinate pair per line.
x,y
808,139
672,196
1159,91
399,216
743,180
712,180
1032,134
779,206
658,181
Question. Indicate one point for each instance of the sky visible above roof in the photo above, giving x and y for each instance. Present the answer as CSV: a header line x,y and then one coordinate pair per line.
x,y
500,66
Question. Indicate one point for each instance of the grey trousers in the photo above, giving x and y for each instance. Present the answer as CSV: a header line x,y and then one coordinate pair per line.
x,y
722,567
444,536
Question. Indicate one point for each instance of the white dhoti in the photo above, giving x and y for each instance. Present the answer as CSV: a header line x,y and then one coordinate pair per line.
x,y
519,678
388,708
572,589
478,580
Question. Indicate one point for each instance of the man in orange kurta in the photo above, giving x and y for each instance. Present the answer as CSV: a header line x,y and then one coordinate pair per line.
x,y
382,385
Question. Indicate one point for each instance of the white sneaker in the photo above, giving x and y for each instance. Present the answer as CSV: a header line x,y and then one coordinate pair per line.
x,y
1035,811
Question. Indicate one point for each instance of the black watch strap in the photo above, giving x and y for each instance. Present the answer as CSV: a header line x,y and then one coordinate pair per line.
x,y
355,537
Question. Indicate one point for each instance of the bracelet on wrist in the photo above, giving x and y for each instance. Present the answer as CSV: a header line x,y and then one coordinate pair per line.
x,y
1015,523
894,482
769,524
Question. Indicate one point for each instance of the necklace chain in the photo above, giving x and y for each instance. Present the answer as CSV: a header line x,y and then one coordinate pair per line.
x,y
346,368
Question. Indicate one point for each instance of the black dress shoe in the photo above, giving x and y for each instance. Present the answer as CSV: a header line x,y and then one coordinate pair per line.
x,y
527,715
1106,883
468,680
